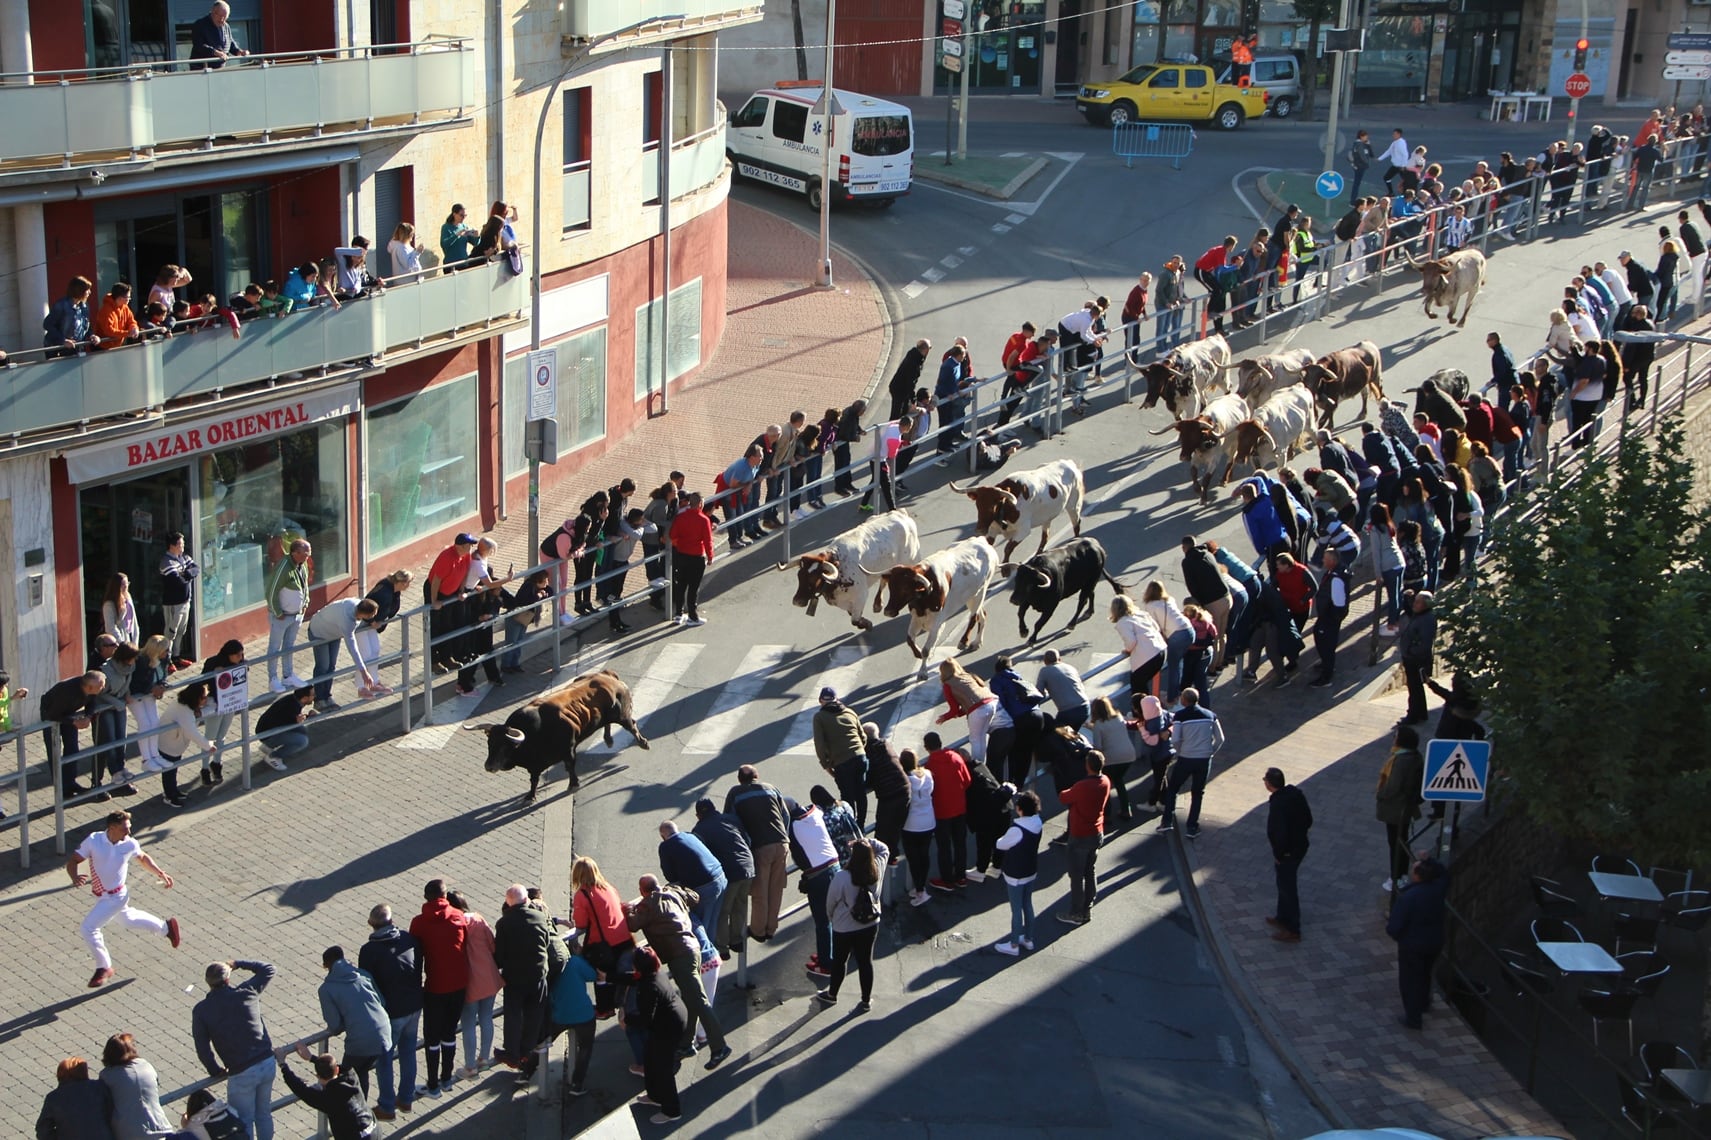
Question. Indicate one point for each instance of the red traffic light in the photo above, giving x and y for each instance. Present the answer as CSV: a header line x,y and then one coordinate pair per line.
x,y
1582,44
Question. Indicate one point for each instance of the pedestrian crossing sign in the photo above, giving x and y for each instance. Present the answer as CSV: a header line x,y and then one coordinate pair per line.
x,y
1456,770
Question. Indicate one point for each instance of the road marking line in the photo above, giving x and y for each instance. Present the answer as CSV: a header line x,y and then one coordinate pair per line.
x,y
1013,154
1069,159
842,676
932,274
950,261
968,250
1016,219
916,712
913,289
655,687
1000,228
725,719
1226,1051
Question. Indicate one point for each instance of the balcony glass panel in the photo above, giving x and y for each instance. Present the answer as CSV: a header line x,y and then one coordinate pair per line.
x,y
697,161
576,206
117,111
40,395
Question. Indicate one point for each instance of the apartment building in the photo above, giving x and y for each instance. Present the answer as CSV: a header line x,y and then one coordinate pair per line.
x,y
378,427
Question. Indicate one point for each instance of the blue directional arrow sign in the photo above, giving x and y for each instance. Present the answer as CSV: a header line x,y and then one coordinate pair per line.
x,y
1456,770
1328,184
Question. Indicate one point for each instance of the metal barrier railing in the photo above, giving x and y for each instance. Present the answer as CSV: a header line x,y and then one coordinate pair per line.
x,y
1041,406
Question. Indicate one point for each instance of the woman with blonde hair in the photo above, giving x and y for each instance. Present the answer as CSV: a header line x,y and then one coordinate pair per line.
x,y
1559,337
148,685
597,911
1178,635
388,596
406,251
968,696
1141,640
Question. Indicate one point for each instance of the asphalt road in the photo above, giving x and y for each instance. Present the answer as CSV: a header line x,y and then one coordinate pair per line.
x,y
1106,1026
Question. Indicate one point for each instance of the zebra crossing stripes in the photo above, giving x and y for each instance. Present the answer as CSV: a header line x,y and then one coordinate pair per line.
x,y
724,721
654,688
842,676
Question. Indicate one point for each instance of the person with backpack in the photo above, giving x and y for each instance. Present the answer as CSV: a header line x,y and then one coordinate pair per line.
x,y
852,902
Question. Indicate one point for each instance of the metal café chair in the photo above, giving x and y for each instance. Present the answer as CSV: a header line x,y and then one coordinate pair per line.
x,y
1641,929
1643,971
1556,930
1552,900
1669,880
1522,976
1687,910
1616,865
1609,1005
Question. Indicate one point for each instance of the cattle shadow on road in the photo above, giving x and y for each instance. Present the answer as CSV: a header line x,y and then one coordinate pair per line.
x,y
400,857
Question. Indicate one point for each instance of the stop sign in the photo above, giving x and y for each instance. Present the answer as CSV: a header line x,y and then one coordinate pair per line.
x,y
1578,85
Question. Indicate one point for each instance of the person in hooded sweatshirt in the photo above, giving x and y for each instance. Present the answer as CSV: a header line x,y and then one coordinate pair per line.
x,y
1020,851
842,750
351,1004
334,1093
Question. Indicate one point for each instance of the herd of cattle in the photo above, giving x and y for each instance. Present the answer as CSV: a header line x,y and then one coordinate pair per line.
x,y
1270,414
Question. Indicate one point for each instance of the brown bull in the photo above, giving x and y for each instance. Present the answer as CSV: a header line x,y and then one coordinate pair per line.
x,y
1343,375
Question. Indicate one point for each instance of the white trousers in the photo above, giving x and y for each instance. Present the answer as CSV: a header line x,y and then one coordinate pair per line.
x,y
979,723
110,907
147,712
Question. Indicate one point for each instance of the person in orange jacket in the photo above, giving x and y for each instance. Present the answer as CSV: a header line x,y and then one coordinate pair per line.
x,y
115,324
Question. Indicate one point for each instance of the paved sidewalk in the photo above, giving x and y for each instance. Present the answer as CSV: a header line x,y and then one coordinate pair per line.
x,y
1333,996
283,871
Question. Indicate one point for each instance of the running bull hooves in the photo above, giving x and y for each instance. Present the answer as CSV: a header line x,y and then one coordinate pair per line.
x,y
549,728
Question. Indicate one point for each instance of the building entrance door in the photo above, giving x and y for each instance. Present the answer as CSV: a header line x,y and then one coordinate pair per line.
x,y
124,532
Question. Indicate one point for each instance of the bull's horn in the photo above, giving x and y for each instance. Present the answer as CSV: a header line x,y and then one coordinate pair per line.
x,y
483,727
1008,567
1411,261
515,735
1232,366
865,570
828,571
964,490
1166,430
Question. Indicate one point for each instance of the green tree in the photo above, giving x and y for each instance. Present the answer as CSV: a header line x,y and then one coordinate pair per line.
x,y
1590,643
1315,12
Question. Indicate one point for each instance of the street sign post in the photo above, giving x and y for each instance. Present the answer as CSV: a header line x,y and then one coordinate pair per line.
x,y
1690,72
1456,770
1687,58
1577,86
543,384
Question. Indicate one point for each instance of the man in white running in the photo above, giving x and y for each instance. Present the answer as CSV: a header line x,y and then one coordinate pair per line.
x,y
109,853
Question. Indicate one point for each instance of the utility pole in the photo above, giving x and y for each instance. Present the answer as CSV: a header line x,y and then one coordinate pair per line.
x,y
828,110
1580,61
1339,74
962,100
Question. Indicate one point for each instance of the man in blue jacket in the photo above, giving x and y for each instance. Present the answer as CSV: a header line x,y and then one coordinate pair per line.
x,y
687,862
1417,926
393,958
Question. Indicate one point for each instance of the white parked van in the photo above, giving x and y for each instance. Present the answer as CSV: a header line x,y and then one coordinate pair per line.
x,y
775,138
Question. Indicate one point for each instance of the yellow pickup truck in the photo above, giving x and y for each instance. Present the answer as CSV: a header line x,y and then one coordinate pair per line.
x,y
1156,92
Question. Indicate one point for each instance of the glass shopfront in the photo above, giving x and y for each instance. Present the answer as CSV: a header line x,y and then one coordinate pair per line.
x,y
239,509
254,501
422,471
1005,40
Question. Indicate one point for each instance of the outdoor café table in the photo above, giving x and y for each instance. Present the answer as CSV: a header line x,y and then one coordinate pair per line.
x,y
1636,888
1580,957
1694,1084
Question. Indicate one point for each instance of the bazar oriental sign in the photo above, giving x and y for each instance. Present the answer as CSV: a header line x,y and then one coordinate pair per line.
x,y
180,441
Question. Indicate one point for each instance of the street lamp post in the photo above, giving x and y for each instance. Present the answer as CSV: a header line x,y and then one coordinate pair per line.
x,y
547,104
828,110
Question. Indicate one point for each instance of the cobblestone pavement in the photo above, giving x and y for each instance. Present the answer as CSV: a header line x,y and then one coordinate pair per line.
x,y
283,871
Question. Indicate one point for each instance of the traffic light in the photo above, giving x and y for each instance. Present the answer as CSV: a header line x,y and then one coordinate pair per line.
x,y
1580,47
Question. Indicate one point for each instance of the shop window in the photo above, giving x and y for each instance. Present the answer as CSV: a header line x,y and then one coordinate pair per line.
x,y
422,472
679,338
581,396
254,501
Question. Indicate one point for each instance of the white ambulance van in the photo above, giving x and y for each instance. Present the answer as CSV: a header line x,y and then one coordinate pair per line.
x,y
776,138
